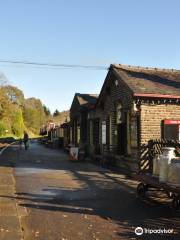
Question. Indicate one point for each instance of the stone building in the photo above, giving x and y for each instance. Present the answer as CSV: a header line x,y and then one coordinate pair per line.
x,y
65,128
133,107
81,105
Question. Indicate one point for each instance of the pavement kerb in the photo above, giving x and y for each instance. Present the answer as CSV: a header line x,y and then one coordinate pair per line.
x,y
18,212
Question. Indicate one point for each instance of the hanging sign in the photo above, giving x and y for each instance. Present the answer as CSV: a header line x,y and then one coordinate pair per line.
x,y
103,132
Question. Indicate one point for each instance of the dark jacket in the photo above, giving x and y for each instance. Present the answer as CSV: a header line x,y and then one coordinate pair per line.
x,y
26,137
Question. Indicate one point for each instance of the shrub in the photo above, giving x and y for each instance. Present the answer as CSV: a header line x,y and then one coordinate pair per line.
x,y
2,128
18,124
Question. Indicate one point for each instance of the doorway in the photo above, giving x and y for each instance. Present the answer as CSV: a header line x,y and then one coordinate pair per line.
x,y
122,138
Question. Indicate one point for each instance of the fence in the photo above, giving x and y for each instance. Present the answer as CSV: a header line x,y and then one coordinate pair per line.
x,y
153,148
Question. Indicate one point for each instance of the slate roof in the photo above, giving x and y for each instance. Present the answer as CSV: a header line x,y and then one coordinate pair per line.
x,y
150,82
86,99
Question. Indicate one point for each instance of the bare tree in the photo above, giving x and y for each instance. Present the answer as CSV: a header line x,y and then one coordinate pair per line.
x,y
3,80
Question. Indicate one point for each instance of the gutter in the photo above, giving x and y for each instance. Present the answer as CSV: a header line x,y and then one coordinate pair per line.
x,y
154,95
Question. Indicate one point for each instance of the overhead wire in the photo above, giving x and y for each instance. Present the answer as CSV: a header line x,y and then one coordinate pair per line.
x,y
54,65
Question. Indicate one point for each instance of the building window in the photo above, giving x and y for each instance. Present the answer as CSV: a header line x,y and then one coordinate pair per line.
x,y
103,132
71,134
96,131
134,131
91,132
78,134
119,113
171,129
110,129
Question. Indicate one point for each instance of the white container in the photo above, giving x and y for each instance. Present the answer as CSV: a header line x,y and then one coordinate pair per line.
x,y
73,154
174,172
168,151
156,165
165,160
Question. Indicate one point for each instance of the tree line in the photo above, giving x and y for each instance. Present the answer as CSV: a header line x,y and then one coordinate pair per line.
x,y
18,114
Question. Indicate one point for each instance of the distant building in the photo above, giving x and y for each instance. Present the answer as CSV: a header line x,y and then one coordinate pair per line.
x,y
47,127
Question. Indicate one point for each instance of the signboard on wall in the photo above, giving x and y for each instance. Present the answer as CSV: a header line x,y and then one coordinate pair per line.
x,y
172,122
103,132
172,129
134,140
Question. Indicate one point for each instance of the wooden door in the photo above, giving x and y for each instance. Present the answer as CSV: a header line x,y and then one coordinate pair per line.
x,y
122,137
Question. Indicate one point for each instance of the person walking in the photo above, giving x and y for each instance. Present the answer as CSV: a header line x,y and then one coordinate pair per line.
x,y
20,143
26,140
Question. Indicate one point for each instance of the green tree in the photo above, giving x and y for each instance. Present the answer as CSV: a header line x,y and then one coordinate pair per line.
x,y
56,113
34,114
19,113
18,123
14,94
46,111
2,128
4,103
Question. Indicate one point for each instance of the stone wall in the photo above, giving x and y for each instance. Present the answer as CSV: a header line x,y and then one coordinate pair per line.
x,y
151,119
112,94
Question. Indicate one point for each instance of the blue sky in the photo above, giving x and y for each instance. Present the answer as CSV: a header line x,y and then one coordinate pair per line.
x,y
96,32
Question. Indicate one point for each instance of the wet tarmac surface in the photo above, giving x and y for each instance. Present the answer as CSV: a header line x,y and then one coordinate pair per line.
x,y
62,200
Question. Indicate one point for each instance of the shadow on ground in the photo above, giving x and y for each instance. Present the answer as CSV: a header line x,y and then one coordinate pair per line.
x,y
110,196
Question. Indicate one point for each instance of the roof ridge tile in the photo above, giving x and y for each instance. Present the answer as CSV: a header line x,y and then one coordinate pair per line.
x,y
130,67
